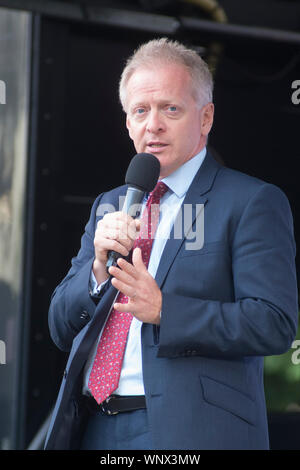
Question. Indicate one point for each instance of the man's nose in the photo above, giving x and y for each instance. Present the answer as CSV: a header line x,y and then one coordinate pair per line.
x,y
155,122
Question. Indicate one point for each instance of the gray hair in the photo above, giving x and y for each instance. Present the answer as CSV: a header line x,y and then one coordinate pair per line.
x,y
165,51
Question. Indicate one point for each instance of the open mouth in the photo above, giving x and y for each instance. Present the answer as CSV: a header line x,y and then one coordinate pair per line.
x,y
156,146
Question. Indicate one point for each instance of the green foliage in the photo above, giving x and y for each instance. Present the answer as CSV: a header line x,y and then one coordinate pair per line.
x,y
282,379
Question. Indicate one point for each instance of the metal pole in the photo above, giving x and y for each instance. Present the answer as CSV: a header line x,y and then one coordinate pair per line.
x,y
233,31
163,24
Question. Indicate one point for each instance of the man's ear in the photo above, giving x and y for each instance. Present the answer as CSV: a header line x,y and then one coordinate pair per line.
x,y
128,125
207,118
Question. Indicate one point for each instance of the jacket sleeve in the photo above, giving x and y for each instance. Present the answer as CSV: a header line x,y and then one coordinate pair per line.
x,y
71,304
262,319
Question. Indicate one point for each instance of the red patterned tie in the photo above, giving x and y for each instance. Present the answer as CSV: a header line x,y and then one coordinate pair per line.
x,y
105,373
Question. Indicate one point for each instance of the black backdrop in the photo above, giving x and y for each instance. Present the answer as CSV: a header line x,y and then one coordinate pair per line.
x,y
79,147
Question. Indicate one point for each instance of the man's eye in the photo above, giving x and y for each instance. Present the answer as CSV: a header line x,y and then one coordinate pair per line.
x,y
172,109
140,110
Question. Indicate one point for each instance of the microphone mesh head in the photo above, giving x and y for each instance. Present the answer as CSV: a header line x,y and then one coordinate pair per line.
x,y
143,172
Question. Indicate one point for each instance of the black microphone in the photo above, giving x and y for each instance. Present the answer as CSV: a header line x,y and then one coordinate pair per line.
x,y
141,176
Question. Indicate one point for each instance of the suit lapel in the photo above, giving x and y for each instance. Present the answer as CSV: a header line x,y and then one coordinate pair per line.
x,y
191,209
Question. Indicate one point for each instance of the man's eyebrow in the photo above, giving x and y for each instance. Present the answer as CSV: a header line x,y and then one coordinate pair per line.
x,y
136,105
162,102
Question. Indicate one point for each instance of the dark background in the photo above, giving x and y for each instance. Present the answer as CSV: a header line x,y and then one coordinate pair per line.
x,y
79,145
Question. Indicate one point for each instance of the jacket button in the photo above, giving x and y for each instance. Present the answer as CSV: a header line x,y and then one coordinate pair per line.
x,y
65,373
84,315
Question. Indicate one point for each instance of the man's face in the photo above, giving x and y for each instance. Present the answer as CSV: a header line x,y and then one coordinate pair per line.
x,y
163,117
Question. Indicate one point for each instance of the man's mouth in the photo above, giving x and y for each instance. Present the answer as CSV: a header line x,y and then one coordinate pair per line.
x,y
156,146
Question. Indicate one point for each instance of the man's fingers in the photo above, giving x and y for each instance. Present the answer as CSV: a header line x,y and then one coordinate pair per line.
x,y
137,260
127,267
126,289
106,244
115,232
118,215
123,307
121,275
119,231
119,225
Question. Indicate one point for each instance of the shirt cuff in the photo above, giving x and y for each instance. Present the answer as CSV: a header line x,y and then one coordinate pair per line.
x,y
95,288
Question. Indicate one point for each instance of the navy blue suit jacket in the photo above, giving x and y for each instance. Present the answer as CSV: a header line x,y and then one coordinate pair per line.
x,y
225,306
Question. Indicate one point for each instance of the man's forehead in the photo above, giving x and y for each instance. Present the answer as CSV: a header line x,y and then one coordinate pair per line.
x,y
161,69
169,80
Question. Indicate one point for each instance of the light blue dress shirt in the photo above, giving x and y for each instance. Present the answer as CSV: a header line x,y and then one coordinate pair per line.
x,y
131,378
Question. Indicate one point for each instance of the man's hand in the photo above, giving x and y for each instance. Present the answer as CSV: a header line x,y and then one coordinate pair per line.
x,y
144,295
117,231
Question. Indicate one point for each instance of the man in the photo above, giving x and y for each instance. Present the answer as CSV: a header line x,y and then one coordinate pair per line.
x,y
199,319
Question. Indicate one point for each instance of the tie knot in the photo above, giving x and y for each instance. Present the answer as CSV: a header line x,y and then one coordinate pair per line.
x,y
159,190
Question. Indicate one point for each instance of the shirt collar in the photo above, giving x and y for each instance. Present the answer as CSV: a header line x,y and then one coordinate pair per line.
x,y
180,180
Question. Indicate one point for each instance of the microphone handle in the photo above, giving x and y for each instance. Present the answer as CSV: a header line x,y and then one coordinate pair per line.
x,y
132,206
